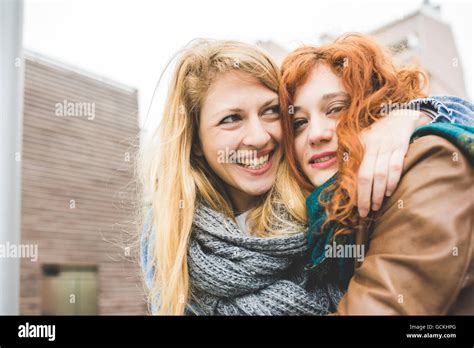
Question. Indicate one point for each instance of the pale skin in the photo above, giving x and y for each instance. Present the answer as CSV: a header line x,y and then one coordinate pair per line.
x,y
318,104
241,115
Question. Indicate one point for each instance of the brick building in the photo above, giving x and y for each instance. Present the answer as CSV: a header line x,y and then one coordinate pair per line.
x,y
422,38
77,193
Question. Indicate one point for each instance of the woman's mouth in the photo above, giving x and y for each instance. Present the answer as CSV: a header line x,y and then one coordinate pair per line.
x,y
323,160
258,164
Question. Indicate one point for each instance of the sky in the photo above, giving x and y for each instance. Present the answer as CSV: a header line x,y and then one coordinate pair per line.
x,y
131,41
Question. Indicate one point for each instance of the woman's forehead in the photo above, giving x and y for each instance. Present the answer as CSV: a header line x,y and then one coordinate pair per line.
x,y
235,90
320,83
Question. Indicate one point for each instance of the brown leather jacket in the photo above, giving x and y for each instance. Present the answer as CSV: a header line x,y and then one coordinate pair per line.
x,y
419,257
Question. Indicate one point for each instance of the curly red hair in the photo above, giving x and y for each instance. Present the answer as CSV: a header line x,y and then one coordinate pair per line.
x,y
372,81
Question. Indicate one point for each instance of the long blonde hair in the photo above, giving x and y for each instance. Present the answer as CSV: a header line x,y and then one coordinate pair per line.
x,y
174,179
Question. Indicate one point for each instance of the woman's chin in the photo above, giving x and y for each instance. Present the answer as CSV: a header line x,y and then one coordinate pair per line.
x,y
255,185
257,190
321,176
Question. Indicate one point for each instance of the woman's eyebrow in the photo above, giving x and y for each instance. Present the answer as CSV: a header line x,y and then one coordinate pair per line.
x,y
334,95
270,102
295,109
227,111
325,98
238,110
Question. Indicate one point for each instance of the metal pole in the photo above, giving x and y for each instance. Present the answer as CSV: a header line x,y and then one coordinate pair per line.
x,y
11,119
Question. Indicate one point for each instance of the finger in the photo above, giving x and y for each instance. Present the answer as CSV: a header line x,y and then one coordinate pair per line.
x,y
380,177
395,169
365,179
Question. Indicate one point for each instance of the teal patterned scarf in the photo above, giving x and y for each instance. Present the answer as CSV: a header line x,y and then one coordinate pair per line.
x,y
340,270
460,135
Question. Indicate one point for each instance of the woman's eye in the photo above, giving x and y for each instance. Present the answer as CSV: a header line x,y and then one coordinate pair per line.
x,y
297,123
275,109
334,110
230,119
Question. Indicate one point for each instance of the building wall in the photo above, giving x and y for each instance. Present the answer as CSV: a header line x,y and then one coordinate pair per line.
x,y
433,48
77,186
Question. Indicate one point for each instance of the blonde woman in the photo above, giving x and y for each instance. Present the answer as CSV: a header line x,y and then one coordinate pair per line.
x,y
196,188
224,231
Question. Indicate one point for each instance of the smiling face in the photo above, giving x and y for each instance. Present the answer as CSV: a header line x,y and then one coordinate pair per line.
x,y
317,105
240,135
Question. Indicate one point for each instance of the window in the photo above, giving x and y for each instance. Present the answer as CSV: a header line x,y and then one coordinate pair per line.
x,y
411,41
69,290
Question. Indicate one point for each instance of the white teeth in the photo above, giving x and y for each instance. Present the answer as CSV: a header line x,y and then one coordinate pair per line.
x,y
255,163
322,159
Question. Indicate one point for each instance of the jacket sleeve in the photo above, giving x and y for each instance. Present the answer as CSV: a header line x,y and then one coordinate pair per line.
x,y
448,109
146,250
421,244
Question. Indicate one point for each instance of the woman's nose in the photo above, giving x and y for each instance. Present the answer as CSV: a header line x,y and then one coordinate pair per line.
x,y
256,135
320,131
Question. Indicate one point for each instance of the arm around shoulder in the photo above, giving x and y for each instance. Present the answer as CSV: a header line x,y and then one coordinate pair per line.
x,y
420,250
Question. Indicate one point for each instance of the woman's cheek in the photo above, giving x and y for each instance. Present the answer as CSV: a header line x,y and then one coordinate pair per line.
x,y
275,131
300,150
216,152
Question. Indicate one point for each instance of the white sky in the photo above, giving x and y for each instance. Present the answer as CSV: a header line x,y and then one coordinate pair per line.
x,y
131,41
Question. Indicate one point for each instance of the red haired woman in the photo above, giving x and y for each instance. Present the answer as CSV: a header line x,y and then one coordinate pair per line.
x,y
413,253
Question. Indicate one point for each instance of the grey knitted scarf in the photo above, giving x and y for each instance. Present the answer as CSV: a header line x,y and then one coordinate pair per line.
x,y
232,273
